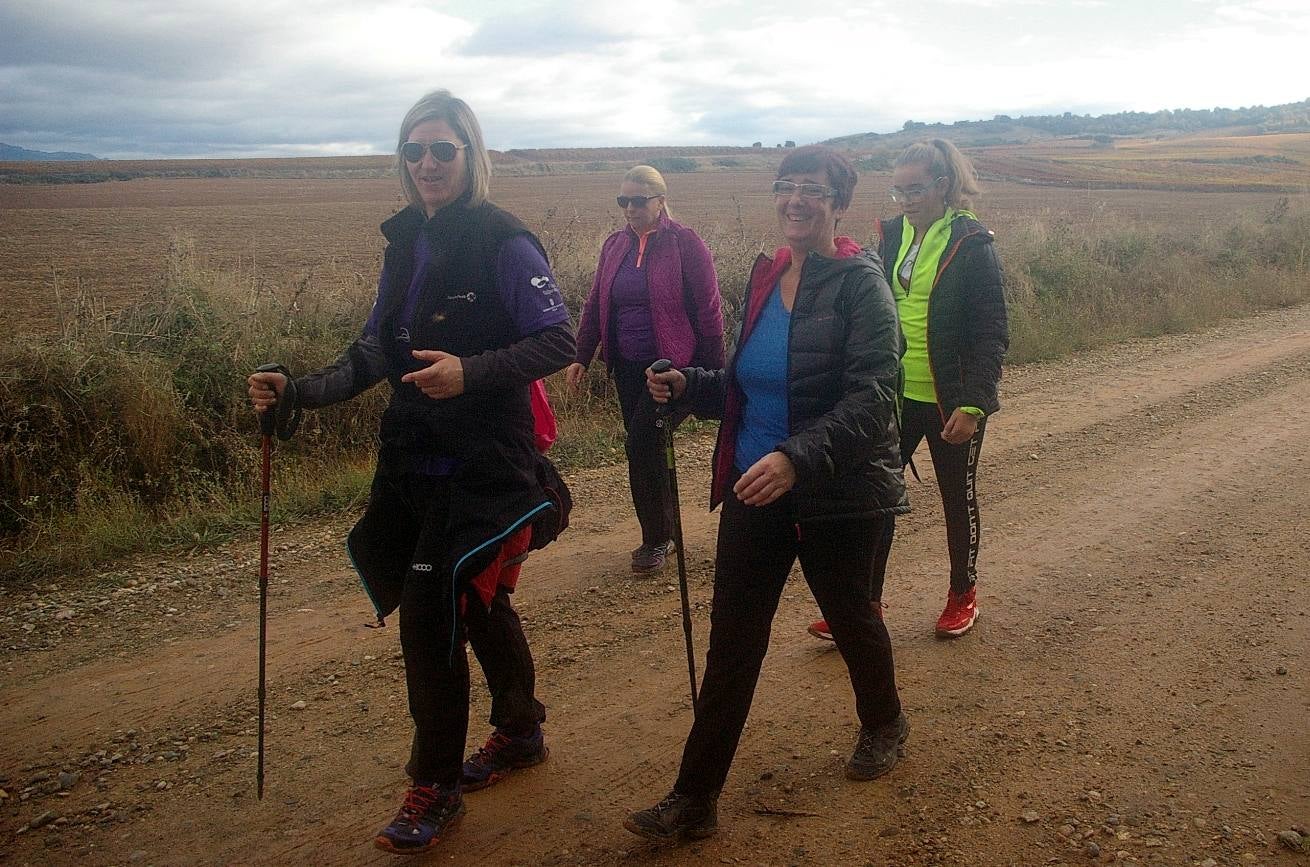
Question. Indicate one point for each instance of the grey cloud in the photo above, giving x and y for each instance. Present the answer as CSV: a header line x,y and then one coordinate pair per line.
x,y
195,46
124,114
540,33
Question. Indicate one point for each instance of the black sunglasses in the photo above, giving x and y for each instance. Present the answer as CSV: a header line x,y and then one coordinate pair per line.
x,y
635,201
444,151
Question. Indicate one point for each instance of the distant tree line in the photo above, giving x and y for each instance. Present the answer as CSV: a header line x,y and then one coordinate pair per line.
x,y
1004,129
1279,118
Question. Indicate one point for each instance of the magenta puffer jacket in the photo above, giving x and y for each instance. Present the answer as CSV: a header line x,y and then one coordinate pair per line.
x,y
682,283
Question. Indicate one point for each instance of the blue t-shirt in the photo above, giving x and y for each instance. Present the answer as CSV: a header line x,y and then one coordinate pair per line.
x,y
762,375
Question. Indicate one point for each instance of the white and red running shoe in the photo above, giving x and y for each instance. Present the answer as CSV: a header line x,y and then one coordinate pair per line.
x,y
960,614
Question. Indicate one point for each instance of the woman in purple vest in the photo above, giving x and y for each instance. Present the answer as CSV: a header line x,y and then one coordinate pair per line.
x,y
467,317
655,296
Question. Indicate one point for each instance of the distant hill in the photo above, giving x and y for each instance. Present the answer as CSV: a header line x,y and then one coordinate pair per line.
x,y
1257,148
1025,129
1243,149
15,154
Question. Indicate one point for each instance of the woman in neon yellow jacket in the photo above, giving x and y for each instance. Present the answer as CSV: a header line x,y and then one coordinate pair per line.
x,y
949,288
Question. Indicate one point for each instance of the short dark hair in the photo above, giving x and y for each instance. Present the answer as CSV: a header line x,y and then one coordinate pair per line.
x,y
819,158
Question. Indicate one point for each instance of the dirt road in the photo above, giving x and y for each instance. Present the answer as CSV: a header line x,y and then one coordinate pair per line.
x,y
1138,686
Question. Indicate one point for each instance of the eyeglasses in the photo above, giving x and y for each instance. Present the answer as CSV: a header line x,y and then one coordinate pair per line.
x,y
807,191
443,151
914,193
635,201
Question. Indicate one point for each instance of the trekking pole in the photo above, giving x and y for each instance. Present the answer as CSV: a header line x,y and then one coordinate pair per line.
x,y
664,422
267,424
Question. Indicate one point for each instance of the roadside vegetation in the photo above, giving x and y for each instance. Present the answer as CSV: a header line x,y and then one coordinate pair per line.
x,y
130,432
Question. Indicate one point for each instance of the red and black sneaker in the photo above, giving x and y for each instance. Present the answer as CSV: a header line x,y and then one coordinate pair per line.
x,y
960,614
428,814
502,754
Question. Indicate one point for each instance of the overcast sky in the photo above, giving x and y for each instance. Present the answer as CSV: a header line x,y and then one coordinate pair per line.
x,y
146,78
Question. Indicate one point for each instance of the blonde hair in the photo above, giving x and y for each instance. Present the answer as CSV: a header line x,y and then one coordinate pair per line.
x,y
944,160
440,105
650,178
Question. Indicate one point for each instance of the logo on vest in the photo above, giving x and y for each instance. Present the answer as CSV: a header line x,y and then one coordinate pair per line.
x,y
421,567
470,297
541,282
403,335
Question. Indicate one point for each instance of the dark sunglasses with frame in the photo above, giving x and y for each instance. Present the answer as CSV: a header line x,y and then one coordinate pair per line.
x,y
636,201
442,151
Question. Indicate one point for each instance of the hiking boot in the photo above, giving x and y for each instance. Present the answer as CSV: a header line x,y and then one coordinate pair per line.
x,y
878,749
677,817
501,755
651,558
428,814
819,628
960,614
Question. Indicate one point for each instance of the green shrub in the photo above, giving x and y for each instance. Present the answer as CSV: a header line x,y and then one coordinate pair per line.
x,y
673,165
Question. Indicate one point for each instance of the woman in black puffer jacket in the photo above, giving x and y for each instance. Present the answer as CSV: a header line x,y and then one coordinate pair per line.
x,y
807,466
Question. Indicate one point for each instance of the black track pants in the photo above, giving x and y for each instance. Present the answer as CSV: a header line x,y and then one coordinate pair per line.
x,y
409,514
756,549
956,467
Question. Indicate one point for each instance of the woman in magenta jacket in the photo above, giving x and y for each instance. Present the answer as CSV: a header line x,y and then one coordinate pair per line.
x,y
655,296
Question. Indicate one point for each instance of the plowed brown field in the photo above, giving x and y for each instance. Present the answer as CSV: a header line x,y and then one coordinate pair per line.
x,y
112,239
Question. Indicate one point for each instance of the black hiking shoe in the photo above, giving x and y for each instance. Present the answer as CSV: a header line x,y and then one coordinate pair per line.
x,y
429,812
877,749
651,558
677,817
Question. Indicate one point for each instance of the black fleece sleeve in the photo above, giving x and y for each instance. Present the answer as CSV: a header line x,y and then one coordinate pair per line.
x,y
358,369
706,390
527,360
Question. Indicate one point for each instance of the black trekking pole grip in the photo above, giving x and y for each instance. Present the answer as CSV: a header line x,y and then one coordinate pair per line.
x,y
664,365
268,418
267,421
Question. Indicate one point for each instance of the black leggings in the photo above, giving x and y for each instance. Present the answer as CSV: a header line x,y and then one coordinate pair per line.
x,y
756,549
956,467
